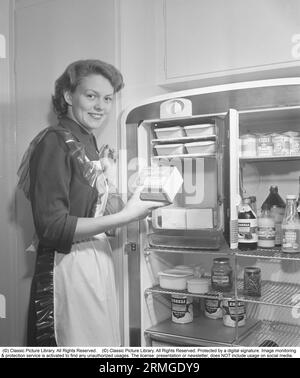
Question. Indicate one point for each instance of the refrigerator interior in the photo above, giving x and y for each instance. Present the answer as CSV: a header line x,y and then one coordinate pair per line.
x,y
275,315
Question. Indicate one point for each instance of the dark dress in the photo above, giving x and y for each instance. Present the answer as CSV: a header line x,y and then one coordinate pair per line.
x,y
62,188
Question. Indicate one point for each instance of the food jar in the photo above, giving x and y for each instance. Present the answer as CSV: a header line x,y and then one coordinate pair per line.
x,y
221,275
252,281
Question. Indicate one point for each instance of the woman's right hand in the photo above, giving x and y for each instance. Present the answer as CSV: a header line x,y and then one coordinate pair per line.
x,y
136,208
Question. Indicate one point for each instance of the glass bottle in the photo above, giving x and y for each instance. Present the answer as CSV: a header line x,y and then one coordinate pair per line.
x,y
276,204
247,226
266,229
291,227
273,199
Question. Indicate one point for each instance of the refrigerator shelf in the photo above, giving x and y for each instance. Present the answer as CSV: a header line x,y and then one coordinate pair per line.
x,y
222,251
211,294
269,158
279,294
202,331
269,253
184,156
283,334
183,139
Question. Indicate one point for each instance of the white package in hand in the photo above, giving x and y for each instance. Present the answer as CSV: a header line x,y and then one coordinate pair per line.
x,y
160,183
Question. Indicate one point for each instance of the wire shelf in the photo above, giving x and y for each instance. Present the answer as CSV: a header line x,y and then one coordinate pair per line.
x,y
284,335
210,294
273,293
272,253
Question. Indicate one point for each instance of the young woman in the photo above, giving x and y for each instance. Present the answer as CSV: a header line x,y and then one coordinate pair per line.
x,y
73,295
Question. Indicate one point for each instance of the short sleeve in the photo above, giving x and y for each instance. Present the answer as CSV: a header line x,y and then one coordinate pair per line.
x,y
50,177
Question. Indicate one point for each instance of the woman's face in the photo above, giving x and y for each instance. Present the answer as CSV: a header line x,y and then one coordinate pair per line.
x,y
91,102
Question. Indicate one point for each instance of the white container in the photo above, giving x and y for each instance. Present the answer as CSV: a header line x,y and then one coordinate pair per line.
x,y
169,218
234,311
294,142
174,279
198,285
264,145
281,145
169,132
182,309
204,130
205,147
248,145
169,149
185,268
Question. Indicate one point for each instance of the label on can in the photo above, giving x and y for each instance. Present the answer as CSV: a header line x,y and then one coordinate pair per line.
x,y
233,311
264,145
182,309
281,145
213,308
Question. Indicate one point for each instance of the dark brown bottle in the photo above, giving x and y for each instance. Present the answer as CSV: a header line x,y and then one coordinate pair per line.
x,y
273,199
247,226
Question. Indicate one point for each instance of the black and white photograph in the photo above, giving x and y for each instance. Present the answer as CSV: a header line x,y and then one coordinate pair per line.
x,y
150,180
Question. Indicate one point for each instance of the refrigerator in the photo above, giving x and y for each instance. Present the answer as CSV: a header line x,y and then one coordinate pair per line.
x,y
199,131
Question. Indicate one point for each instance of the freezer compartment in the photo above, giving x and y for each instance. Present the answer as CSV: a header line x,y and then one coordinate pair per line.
x,y
180,239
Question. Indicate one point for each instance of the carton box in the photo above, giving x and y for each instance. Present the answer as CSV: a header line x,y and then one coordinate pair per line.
x,y
160,183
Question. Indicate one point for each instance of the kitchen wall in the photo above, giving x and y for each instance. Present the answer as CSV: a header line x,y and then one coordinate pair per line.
x,y
8,249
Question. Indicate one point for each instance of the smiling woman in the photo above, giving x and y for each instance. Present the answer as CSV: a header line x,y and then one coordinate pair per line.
x,y
73,295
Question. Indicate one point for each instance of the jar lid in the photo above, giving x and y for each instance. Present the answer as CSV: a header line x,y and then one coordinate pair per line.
x,y
221,260
252,269
291,196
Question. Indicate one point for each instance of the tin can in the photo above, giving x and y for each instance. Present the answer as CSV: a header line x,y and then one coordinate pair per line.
x,y
281,145
182,309
264,145
252,281
213,307
234,312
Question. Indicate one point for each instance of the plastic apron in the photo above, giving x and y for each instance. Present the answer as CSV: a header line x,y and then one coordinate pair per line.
x,y
85,300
